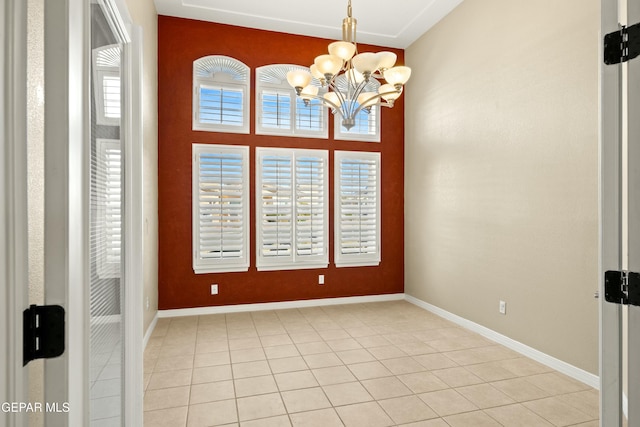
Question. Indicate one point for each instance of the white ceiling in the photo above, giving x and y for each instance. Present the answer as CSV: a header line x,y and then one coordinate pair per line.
x,y
378,23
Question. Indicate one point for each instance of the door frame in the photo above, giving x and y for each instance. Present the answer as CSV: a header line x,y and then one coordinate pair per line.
x,y
13,214
67,78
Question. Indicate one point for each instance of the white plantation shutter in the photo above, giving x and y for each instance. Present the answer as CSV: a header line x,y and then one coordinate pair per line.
x,y
357,208
220,208
221,86
291,189
221,106
277,206
106,77
310,206
107,183
276,109
280,112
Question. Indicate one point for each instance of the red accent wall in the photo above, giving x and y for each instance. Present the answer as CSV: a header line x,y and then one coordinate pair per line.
x,y
180,42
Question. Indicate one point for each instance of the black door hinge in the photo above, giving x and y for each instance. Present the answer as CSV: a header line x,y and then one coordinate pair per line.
x,y
622,45
622,287
43,332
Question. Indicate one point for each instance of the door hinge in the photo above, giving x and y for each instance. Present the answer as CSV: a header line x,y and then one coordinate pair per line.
x,y
622,287
43,332
622,45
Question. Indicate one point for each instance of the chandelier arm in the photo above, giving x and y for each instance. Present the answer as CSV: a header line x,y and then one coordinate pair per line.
x,y
324,101
366,103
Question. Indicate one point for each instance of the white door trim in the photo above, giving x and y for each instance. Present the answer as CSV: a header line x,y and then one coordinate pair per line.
x,y
66,205
13,213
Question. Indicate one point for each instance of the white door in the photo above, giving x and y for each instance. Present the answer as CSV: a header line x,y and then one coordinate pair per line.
x,y
620,220
92,212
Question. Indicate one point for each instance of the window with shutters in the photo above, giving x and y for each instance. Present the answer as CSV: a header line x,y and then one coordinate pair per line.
x,y
108,197
220,94
220,208
106,73
280,112
367,127
357,208
291,208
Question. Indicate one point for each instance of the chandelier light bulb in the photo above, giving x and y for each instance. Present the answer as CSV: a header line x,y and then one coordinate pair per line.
x,y
328,64
389,92
386,60
354,76
299,78
343,50
366,63
397,75
309,92
367,99
315,73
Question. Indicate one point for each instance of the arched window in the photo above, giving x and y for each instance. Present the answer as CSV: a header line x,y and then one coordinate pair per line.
x,y
220,94
280,112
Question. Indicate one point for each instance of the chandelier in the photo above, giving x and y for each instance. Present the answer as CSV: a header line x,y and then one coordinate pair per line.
x,y
348,78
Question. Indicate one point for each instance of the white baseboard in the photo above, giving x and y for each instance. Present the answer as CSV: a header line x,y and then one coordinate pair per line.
x,y
147,335
200,311
550,361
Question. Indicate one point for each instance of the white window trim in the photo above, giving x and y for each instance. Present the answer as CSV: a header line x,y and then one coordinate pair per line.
x,y
201,266
285,87
355,260
342,135
104,268
292,262
221,80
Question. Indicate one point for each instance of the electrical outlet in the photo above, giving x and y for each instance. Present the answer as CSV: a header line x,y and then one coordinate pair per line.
x,y
320,279
503,307
214,289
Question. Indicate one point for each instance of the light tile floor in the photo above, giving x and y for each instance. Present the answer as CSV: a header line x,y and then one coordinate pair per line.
x,y
361,365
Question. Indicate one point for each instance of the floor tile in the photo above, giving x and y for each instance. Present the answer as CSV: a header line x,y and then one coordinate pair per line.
x,y
523,367
320,418
492,371
173,363
333,375
472,419
373,341
166,398
485,396
211,359
250,369
274,340
279,421
557,412
347,393
295,380
307,399
313,348
210,374
174,417
344,344
244,343
555,383
211,392
322,360
437,422
407,409
447,402
369,370
435,361
584,401
403,365
520,390
517,415
281,351
385,388
170,379
212,414
387,352
263,406
364,414
457,377
416,348
255,385
288,364
422,382
247,355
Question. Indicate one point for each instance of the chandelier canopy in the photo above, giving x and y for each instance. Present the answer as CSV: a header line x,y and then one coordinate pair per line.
x,y
349,79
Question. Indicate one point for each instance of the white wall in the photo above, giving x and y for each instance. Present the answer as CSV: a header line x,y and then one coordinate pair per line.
x,y
501,178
